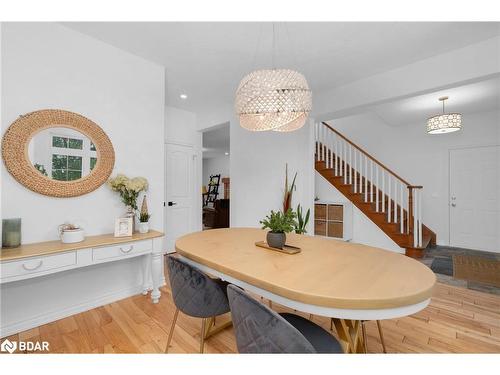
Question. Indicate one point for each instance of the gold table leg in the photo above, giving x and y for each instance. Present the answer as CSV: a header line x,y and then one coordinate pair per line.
x,y
350,332
379,326
212,330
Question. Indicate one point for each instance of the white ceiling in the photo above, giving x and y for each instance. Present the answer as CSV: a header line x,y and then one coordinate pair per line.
x,y
207,60
216,142
467,99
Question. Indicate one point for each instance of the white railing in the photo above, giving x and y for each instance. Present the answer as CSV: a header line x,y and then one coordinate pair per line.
x,y
399,201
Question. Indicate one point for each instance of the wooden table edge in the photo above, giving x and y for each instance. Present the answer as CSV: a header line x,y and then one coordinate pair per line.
x,y
340,303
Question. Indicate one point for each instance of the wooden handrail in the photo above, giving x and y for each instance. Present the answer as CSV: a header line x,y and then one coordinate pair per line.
x,y
371,157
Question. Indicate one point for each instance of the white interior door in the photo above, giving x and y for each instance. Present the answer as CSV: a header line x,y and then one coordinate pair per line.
x,y
179,195
474,198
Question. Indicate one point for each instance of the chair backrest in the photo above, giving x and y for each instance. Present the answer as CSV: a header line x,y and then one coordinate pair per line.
x,y
259,329
193,292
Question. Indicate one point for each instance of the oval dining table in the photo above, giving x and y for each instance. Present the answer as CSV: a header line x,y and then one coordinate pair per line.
x,y
345,281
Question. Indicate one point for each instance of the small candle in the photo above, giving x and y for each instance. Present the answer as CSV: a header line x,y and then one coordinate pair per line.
x,y
12,239
11,232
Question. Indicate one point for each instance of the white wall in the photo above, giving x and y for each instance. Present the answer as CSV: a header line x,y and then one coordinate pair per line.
x,y
216,165
364,230
45,65
258,171
420,158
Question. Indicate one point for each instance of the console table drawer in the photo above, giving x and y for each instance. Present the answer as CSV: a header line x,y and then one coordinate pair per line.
x,y
36,265
121,250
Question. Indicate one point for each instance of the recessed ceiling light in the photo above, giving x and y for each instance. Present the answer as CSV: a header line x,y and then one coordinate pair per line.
x,y
226,153
183,96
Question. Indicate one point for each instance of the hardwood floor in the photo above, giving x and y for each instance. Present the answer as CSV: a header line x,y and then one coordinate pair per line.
x,y
458,320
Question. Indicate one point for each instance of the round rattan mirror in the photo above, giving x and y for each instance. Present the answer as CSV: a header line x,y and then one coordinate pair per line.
x,y
57,153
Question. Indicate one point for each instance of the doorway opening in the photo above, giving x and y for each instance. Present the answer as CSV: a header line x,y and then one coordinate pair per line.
x,y
215,192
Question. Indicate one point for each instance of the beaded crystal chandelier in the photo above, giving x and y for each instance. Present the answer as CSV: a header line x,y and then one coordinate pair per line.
x,y
273,99
445,122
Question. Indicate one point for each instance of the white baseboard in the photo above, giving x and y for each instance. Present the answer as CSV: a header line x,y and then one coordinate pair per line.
x,y
52,316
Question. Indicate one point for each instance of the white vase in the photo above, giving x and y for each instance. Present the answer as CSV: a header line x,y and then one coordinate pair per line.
x,y
143,227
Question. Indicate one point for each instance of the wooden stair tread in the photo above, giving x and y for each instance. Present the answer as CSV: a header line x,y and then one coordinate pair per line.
x,y
379,218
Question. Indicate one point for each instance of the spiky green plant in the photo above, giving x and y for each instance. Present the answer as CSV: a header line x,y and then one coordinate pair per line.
x,y
287,197
301,224
279,222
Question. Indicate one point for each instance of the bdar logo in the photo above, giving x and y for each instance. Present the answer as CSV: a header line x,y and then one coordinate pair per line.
x,y
8,346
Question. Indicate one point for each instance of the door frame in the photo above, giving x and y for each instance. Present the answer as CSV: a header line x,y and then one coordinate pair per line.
x,y
449,180
195,157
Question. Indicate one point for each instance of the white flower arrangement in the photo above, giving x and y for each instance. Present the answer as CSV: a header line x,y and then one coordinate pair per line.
x,y
128,188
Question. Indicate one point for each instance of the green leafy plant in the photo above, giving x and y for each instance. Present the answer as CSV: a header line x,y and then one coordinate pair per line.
x,y
279,222
301,224
144,217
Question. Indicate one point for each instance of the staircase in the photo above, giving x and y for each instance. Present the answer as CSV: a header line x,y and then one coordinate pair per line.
x,y
392,203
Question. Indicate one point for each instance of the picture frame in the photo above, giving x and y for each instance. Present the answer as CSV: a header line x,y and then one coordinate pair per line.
x,y
123,227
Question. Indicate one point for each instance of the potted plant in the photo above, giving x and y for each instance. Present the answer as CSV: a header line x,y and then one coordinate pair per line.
x,y
144,217
279,224
301,224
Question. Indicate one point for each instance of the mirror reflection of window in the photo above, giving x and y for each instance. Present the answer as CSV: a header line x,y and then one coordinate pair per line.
x,y
62,154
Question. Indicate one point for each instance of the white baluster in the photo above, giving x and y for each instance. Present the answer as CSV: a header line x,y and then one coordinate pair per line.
x,y
366,179
323,130
327,145
316,139
383,190
401,211
336,147
344,161
395,193
371,181
376,188
415,226
330,148
354,170
408,218
360,172
420,217
350,164
389,198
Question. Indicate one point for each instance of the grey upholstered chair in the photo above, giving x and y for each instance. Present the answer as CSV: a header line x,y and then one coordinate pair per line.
x,y
259,329
196,295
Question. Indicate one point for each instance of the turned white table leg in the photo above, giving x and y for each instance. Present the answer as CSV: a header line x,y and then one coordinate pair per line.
x,y
146,274
156,269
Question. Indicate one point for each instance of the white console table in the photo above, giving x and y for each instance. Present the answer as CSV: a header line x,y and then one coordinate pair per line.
x,y
38,260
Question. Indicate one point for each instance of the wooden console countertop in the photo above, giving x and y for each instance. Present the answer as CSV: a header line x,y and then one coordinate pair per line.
x,y
326,272
52,247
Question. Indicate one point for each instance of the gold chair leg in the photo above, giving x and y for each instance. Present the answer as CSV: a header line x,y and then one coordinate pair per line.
x,y
379,326
310,316
270,304
331,324
363,329
171,333
202,335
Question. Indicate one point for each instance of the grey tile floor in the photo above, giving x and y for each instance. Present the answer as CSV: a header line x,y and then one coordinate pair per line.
x,y
439,259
